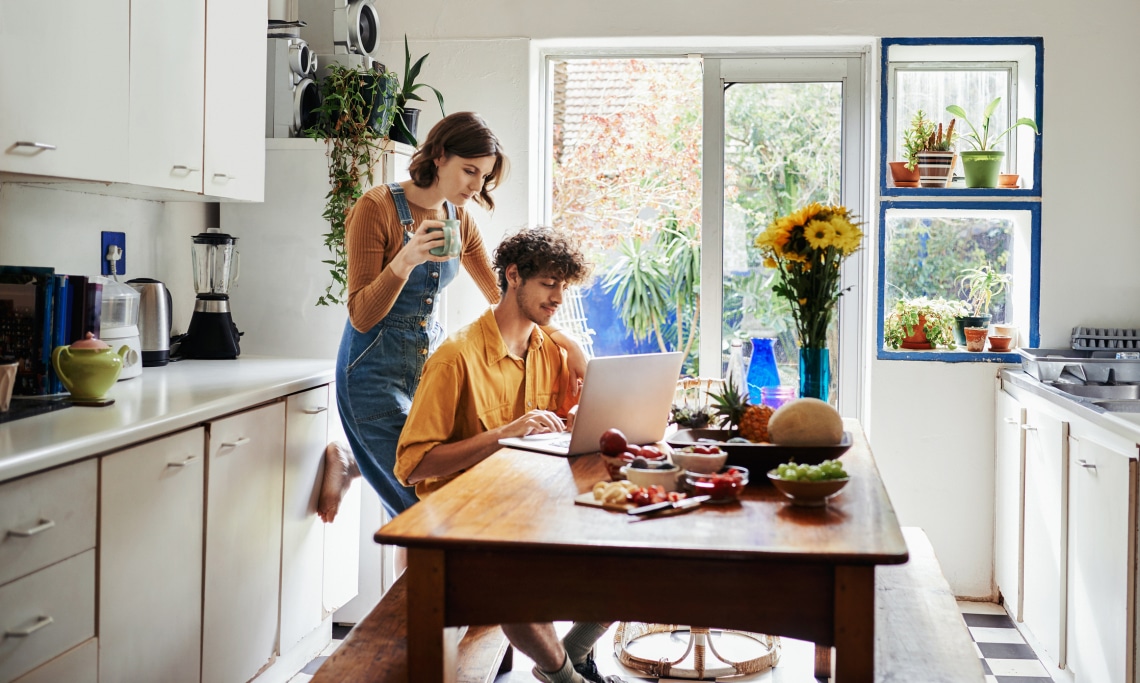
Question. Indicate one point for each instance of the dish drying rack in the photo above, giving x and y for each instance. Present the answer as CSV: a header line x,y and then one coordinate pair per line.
x,y
1105,338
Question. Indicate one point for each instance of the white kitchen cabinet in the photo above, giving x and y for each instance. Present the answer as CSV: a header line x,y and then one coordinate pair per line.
x,y
1046,475
245,465
234,154
64,77
150,566
167,87
302,537
1102,561
80,664
1009,503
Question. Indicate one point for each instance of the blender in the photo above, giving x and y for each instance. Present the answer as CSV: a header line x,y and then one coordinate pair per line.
x,y
212,333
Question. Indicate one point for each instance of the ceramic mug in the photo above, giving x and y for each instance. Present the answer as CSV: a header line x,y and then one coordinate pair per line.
x,y
451,239
7,383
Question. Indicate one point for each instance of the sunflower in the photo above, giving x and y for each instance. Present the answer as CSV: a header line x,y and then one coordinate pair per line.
x,y
819,234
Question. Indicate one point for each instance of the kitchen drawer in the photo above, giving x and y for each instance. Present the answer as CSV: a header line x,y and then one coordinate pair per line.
x,y
46,517
57,606
77,665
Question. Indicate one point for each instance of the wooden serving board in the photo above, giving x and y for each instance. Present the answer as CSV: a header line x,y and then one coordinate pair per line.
x,y
588,500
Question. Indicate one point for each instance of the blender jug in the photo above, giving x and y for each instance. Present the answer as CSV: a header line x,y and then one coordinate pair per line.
x,y
215,262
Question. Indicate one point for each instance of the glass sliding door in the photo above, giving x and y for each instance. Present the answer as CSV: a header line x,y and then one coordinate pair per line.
x,y
781,133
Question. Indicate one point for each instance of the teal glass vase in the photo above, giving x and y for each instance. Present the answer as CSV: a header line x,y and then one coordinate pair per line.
x,y
815,373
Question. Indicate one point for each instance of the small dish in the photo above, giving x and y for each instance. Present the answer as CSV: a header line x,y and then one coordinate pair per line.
x,y
1008,180
723,487
703,463
808,493
1000,342
665,478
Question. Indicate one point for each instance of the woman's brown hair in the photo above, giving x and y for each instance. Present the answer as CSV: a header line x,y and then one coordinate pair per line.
x,y
464,134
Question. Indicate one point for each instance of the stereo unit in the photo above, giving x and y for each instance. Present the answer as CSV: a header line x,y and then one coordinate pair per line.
x,y
291,93
339,26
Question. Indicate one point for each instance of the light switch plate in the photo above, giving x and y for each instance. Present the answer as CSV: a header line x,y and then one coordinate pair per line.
x,y
118,239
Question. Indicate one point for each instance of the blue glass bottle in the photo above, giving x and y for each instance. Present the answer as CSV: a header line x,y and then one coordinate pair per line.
x,y
762,368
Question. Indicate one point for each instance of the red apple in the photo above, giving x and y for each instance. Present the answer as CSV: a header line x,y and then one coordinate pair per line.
x,y
652,453
612,442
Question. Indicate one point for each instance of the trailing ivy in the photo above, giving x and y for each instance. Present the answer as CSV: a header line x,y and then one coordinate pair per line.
x,y
357,109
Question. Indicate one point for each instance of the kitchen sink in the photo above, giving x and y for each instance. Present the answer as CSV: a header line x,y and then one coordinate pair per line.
x,y
1120,406
1101,391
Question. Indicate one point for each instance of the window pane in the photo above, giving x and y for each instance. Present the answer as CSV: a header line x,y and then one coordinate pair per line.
x,y
781,151
972,89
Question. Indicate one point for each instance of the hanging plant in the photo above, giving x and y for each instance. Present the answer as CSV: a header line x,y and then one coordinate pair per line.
x,y
357,109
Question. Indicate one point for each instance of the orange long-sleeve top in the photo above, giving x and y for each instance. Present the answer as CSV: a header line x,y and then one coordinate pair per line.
x,y
373,237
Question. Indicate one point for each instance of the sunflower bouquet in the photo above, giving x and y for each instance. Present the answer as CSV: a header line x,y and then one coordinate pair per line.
x,y
806,248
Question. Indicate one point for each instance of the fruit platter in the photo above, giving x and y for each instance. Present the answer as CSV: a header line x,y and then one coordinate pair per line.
x,y
760,456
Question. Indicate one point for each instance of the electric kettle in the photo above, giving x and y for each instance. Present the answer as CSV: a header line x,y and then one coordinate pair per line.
x,y
154,320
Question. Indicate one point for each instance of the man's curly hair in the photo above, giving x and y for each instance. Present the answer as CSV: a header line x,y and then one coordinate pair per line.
x,y
544,252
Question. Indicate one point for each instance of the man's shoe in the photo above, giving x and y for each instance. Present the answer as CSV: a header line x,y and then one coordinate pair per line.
x,y
589,671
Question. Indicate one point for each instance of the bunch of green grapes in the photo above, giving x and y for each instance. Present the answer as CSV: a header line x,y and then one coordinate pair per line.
x,y
828,469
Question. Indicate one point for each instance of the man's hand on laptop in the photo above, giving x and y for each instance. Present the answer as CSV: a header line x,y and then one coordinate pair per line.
x,y
534,422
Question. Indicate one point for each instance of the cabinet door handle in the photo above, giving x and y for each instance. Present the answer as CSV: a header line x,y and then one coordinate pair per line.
x,y
37,145
1010,421
234,444
187,169
25,632
184,463
44,525
1029,428
315,411
1086,464
224,176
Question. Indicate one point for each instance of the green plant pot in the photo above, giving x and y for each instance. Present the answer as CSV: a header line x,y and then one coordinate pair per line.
x,y
982,168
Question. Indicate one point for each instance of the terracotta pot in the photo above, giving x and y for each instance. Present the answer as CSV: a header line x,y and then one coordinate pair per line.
x,y
1001,343
917,341
976,338
903,176
1007,180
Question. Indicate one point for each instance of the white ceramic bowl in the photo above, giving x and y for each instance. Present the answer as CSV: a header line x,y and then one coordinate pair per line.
x,y
702,463
667,478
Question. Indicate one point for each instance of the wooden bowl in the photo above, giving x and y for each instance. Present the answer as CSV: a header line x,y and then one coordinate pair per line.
x,y
807,493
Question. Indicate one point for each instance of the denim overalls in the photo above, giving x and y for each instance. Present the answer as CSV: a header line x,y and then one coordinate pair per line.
x,y
377,371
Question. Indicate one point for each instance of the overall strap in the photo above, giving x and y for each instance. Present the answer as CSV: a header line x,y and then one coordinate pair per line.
x,y
450,210
402,208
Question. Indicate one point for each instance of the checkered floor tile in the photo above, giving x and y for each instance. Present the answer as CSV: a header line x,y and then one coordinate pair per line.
x,y
1006,657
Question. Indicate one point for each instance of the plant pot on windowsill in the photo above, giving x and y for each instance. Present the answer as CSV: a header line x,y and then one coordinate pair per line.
x,y
976,338
917,341
963,321
903,176
981,168
934,168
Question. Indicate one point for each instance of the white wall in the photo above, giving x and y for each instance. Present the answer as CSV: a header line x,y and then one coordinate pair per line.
x,y
931,424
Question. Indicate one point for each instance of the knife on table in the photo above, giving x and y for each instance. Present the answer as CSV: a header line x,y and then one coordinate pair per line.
x,y
666,507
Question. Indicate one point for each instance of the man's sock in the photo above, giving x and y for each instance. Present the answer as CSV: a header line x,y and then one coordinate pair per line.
x,y
566,674
580,639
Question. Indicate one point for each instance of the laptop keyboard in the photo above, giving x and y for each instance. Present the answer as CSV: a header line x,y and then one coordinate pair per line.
x,y
552,438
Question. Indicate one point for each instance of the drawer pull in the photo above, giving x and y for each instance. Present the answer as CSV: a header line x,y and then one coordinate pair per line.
x,y
25,632
1010,421
234,444
185,168
184,463
1029,428
37,145
1086,464
224,176
315,411
43,526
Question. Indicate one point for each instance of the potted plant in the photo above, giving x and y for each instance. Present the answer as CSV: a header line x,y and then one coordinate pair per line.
x,y
405,128
905,173
921,323
982,164
980,286
357,108
934,155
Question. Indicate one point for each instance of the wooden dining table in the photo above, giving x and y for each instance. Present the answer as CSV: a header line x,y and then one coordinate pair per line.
x,y
505,543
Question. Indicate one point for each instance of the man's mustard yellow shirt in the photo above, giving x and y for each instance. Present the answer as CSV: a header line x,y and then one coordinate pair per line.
x,y
473,384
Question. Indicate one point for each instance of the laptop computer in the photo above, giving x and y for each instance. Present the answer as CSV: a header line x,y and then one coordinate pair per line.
x,y
631,393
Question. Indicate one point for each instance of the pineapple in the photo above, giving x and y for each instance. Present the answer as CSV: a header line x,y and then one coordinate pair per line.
x,y
736,412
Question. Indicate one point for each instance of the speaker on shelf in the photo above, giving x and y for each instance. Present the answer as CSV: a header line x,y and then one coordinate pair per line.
x,y
340,26
291,93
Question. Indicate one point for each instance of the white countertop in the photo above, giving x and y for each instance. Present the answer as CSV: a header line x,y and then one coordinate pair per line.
x,y
160,401
1124,425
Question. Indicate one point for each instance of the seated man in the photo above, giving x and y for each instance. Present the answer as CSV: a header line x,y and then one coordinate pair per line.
x,y
500,377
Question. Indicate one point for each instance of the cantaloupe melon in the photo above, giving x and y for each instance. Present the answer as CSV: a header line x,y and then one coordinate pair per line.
x,y
806,422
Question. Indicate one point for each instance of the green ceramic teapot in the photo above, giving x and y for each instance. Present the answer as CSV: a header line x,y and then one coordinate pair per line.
x,y
88,368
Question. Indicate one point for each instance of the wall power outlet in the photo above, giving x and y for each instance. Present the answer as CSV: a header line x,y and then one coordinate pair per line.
x,y
118,239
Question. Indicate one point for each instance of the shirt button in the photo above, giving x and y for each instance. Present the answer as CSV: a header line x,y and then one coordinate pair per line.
x,y
427,300
435,275
423,352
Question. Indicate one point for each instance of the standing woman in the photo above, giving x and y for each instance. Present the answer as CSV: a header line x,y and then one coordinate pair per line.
x,y
393,291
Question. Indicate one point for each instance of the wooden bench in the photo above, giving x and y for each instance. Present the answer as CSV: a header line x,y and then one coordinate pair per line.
x,y
919,633
376,649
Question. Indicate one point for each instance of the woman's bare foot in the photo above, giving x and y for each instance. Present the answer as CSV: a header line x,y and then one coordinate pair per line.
x,y
340,470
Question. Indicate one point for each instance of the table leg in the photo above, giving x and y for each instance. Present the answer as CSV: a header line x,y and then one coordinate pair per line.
x,y
432,657
823,661
854,624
